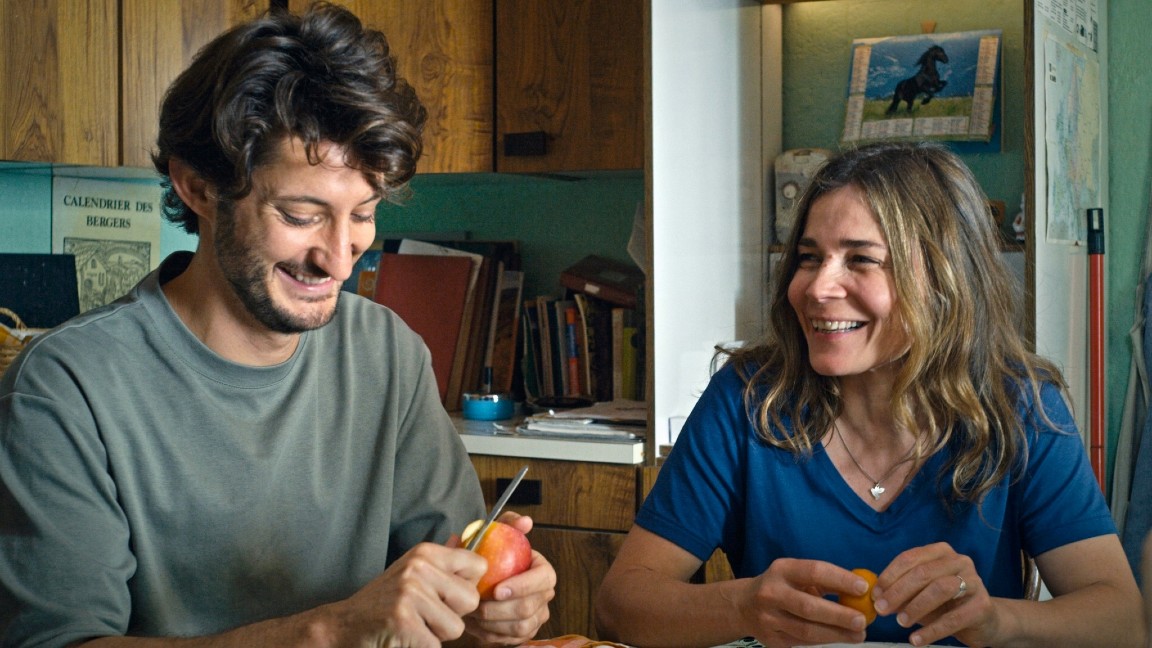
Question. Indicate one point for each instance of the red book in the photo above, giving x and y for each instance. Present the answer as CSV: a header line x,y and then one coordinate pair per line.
x,y
428,292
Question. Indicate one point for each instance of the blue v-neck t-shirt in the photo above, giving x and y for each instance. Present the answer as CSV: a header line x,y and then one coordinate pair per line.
x,y
723,487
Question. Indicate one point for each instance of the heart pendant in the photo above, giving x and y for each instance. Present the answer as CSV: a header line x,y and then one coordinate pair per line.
x,y
877,491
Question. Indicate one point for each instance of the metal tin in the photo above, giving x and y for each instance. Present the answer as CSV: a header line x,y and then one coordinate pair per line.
x,y
480,406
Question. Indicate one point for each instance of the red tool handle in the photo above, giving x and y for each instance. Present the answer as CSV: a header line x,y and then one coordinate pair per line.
x,y
1096,450
1096,364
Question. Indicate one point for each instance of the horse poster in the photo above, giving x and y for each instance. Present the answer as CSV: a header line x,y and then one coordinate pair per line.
x,y
928,86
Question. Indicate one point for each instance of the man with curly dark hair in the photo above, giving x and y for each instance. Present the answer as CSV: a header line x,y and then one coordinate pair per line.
x,y
236,452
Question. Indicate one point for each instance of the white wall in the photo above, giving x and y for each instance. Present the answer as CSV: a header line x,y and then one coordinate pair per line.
x,y
708,191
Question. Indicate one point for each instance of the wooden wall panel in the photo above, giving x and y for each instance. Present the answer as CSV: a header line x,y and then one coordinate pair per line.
x,y
581,560
573,69
60,78
444,49
160,38
573,494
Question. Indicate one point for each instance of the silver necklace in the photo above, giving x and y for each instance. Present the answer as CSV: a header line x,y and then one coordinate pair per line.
x,y
877,489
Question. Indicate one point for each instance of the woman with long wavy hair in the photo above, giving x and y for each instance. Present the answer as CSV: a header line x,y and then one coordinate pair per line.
x,y
894,421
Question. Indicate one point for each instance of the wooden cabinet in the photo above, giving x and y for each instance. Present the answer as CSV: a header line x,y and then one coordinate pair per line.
x,y
159,40
84,79
581,513
581,559
444,49
59,71
570,71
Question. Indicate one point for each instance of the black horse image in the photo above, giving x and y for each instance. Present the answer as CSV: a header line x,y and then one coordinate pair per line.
x,y
925,82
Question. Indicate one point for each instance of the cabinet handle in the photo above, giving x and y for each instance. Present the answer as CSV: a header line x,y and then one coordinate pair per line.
x,y
534,143
528,493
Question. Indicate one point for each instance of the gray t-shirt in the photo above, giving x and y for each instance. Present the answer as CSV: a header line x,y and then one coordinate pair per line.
x,y
150,487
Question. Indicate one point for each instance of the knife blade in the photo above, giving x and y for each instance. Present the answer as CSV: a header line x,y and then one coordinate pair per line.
x,y
499,506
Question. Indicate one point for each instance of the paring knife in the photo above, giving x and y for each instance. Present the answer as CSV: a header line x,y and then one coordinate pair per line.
x,y
496,509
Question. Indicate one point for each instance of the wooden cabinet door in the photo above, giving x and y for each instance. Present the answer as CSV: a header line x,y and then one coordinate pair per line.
x,y
574,70
581,559
59,72
444,49
158,40
569,494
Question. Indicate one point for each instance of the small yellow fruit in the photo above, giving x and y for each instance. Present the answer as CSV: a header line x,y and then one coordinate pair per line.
x,y
862,602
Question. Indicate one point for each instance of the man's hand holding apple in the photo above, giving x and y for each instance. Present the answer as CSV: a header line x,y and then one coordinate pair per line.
x,y
515,604
432,594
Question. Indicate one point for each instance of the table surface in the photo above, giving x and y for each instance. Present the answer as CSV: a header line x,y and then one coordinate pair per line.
x,y
755,643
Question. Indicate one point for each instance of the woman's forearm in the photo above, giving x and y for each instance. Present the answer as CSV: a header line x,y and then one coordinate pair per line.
x,y
1101,615
645,608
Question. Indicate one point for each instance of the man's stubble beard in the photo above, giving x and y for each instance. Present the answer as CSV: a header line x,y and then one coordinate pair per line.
x,y
246,273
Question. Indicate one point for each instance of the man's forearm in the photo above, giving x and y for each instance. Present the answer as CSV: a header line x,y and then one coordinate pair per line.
x,y
311,629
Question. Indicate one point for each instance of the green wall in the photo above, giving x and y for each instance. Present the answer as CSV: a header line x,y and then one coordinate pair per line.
x,y
557,218
25,208
26,205
1130,170
818,52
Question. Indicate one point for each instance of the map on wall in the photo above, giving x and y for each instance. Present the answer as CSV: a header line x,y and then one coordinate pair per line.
x,y
1078,17
924,87
1072,139
113,229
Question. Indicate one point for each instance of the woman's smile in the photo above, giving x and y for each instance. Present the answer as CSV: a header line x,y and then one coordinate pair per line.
x,y
843,291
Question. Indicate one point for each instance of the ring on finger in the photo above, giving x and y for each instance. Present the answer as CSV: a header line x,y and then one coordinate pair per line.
x,y
963,589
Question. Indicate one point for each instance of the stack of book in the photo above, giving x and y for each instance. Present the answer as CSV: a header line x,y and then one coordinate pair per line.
x,y
462,296
466,299
588,344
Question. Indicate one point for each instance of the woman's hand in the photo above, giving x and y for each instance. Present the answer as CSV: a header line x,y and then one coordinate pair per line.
x,y
938,588
785,607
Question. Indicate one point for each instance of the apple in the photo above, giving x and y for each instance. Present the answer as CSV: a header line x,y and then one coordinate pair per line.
x,y
505,548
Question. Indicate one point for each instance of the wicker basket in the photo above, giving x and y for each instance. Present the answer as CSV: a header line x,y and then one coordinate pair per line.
x,y
10,345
